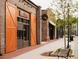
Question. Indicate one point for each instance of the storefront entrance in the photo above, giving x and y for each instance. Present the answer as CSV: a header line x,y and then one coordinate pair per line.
x,y
51,31
23,32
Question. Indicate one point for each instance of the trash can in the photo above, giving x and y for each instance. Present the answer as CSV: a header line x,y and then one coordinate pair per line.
x,y
71,38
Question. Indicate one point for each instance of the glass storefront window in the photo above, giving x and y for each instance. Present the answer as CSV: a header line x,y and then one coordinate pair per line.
x,y
23,32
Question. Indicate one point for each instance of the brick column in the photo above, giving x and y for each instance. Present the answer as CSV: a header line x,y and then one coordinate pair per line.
x,y
48,30
2,26
38,25
44,31
55,32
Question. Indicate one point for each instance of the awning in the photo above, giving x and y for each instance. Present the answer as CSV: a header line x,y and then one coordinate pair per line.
x,y
51,22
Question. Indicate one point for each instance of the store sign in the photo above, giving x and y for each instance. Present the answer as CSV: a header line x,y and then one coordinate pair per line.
x,y
44,16
24,14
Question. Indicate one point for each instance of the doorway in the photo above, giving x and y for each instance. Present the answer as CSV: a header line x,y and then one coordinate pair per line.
x,y
51,31
23,32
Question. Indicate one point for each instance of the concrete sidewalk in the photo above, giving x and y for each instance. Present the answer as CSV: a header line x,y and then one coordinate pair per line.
x,y
74,46
36,53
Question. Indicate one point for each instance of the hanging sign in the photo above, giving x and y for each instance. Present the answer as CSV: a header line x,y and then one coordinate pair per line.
x,y
44,16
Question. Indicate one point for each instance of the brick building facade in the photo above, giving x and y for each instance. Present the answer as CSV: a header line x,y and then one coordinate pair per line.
x,y
44,28
48,26
16,18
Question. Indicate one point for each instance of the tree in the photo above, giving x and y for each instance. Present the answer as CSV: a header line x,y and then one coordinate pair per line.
x,y
72,21
60,23
63,9
60,26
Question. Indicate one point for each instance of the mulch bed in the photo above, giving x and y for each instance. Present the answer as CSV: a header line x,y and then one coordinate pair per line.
x,y
48,54
57,54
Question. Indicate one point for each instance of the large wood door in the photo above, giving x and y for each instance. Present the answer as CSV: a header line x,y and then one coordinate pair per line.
x,y
33,30
11,27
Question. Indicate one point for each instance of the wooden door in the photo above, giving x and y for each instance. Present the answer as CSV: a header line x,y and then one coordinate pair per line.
x,y
11,27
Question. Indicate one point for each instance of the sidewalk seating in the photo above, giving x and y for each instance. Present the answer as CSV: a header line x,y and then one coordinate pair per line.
x,y
62,53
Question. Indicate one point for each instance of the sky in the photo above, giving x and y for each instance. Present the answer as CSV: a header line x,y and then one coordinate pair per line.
x,y
43,3
47,3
